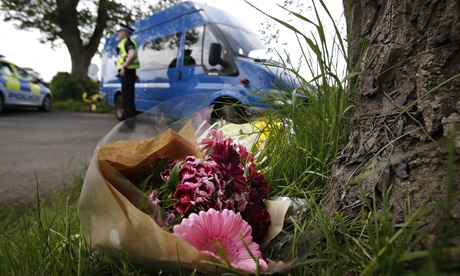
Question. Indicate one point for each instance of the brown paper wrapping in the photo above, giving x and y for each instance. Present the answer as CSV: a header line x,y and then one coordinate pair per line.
x,y
113,212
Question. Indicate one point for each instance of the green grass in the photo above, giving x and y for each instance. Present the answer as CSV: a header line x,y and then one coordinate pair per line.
x,y
312,134
41,236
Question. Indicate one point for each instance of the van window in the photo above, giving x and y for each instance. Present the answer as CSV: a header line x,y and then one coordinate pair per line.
x,y
193,46
210,37
159,53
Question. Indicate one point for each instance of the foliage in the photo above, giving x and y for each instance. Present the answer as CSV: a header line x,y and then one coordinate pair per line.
x,y
41,236
72,105
66,87
79,24
314,118
67,105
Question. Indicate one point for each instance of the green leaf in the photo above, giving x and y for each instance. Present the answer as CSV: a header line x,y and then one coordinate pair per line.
x,y
174,178
351,75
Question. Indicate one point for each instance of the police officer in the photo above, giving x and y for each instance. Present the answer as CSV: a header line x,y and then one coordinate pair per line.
x,y
127,63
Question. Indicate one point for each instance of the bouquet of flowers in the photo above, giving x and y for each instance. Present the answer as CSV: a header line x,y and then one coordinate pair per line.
x,y
177,194
222,190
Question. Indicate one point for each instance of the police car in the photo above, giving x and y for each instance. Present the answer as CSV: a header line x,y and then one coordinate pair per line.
x,y
19,88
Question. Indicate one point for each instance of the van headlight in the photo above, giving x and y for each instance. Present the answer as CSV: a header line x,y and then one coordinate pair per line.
x,y
277,96
295,96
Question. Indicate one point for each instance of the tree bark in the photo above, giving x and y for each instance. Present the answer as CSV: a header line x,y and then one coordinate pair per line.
x,y
413,46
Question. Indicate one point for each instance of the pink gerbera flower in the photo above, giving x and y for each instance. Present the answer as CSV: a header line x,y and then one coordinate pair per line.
x,y
204,229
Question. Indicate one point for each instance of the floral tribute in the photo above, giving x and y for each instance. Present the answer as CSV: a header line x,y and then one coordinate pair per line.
x,y
218,197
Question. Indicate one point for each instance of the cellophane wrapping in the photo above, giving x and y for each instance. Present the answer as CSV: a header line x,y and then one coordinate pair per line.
x,y
114,213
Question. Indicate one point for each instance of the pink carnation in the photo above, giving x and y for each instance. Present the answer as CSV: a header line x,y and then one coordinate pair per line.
x,y
186,196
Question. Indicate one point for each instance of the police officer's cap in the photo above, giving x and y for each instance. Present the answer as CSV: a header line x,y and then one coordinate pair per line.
x,y
123,27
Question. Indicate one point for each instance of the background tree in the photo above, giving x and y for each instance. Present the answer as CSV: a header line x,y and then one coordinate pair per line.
x,y
407,94
79,24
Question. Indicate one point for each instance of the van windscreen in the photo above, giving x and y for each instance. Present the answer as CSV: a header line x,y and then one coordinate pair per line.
x,y
240,41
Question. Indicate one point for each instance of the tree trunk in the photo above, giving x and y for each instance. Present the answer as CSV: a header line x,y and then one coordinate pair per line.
x,y
80,53
80,65
413,46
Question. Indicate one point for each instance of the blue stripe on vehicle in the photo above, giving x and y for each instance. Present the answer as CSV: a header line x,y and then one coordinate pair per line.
x,y
25,86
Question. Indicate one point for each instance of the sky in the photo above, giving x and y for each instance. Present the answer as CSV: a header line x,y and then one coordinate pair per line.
x,y
24,49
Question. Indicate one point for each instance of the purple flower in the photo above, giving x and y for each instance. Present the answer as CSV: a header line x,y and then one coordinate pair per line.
x,y
206,188
243,153
241,199
225,180
256,215
260,184
153,198
186,196
165,175
187,171
228,161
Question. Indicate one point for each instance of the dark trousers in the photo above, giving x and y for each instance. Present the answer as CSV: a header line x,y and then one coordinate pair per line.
x,y
127,92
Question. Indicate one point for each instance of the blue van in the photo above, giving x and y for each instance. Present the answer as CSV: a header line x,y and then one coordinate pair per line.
x,y
195,48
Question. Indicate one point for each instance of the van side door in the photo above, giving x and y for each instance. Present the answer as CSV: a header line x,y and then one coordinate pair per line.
x,y
194,73
157,73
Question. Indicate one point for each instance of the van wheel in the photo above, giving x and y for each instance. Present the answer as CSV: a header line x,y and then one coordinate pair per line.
x,y
229,112
119,108
46,105
2,103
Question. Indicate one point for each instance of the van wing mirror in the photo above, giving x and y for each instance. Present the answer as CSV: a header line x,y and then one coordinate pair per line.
x,y
215,51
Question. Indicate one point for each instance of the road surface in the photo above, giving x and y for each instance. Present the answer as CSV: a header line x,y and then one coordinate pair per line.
x,y
46,148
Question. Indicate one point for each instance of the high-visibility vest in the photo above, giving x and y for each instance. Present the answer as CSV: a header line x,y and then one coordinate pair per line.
x,y
123,55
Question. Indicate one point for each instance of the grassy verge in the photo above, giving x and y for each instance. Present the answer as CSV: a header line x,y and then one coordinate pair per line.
x,y
72,105
42,237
